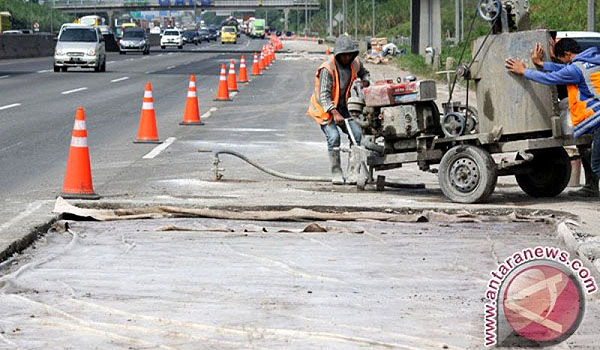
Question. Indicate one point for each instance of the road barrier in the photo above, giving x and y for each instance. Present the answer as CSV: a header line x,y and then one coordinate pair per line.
x,y
26,45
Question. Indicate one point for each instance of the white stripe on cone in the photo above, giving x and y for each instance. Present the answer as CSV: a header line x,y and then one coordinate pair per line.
x,y
222,77
191,94
79,125
148,106
147,93
79,142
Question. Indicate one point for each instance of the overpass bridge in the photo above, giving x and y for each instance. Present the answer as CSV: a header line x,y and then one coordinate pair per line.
x,y
87,6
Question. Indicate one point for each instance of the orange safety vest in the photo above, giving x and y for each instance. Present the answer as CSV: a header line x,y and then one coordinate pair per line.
x,y
315,109
583,116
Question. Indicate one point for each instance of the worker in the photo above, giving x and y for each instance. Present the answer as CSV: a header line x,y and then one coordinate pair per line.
x,y
580,71
328,103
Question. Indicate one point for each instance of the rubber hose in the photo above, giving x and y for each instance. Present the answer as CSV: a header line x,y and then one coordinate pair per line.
x,y
271,171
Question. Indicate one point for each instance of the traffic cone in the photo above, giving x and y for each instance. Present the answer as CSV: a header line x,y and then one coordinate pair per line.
x,y
191,116
147,132
78,175
243,78
261,63
231,80
327,52
223,91
255,65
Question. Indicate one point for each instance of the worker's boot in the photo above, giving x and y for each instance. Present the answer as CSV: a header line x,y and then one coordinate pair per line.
x,y
590,189
353,167
337,177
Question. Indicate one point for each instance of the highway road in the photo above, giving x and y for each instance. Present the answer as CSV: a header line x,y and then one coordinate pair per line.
x,y
37,107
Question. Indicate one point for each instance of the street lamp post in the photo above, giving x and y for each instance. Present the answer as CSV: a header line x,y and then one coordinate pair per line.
x,y
330,18
373,20
356,19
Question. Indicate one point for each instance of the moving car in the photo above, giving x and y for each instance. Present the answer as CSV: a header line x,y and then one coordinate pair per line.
x,y
191,37
203,35
257,29
134,40
79,45
228,35
213,33
171,37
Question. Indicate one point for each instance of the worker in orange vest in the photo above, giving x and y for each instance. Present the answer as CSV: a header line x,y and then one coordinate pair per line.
x,y
329,107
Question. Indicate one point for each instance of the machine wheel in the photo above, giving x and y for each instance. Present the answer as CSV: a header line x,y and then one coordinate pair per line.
x,y
122,52
163,47
363,176
56,68
180,47
467,174
64,69
146,52
550,171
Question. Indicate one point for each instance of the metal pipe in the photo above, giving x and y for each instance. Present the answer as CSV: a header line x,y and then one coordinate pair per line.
x,y
356,19
591,16
330,18
373,20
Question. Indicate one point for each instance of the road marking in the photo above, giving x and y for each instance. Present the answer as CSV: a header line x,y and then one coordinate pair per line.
x,y
130,59
110,62
145,58
233,94
170,67
30,209
170,53
120,79
9,106
156,151
74,90
149,72
4,76
44,71
160,54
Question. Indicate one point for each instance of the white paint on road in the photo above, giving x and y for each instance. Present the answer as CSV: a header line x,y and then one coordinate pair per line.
x,y
4,76
149,72
171,67
156,151
110,62
9,106
30,209
118,80
233,94
44,71
74,90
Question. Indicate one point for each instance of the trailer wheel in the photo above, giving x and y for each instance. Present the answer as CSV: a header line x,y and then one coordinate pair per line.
x,y
467,174
548,175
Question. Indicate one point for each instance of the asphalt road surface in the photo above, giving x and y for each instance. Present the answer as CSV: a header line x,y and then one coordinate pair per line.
x,y
37,108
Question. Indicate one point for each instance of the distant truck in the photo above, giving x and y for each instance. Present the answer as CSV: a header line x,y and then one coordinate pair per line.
x,y
257,29
5,23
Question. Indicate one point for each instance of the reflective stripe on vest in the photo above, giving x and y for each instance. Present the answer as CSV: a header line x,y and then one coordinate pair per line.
x,y
315,109
583,116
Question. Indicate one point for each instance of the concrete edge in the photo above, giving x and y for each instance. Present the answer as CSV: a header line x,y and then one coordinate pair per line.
x,y
27,236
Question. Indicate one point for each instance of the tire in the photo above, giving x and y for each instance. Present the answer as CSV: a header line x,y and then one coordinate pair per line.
x,y
162,47
180,47
146,52
56,69
64,69
548,173
103,66
467,174
122,52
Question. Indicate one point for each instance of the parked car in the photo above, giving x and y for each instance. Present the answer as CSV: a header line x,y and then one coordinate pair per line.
x,y
171,37
18,31
190,37
204,35
134,40
80,46
228,35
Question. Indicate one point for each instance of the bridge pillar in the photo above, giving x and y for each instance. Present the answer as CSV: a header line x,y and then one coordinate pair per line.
x,y
426,23
110,14
286,16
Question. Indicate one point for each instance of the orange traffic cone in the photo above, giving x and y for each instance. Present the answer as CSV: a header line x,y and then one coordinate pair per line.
x,y
327,52
272,54
231,80
243,78
78,175
255,65
147,131
223,91
191,116
261,63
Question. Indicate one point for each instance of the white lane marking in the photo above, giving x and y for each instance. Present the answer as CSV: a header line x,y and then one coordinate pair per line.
x,y
170,53
205,115
74,90
233,94
120,79
110,62
4,76
170,67
44,71
156,151
9,106
30,209
145,58
160,54
213,109
130,59
149,72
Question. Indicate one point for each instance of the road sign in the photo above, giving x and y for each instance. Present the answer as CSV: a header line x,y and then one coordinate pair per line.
x,y
36,26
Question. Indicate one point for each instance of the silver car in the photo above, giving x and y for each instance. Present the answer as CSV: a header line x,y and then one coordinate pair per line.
x,y
79,46
134,40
